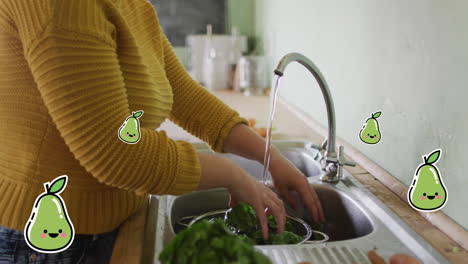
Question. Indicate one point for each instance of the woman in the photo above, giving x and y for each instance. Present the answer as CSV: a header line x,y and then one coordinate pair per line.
x,y
72,71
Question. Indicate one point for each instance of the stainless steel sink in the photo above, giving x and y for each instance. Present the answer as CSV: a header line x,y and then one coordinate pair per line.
x,y
345,219
356,220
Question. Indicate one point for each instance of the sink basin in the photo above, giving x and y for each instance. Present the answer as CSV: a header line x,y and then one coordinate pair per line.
x,y
345,220
357,221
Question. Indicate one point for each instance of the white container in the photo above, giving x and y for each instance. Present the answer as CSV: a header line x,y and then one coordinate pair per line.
x,y
253,78
216,72
196,51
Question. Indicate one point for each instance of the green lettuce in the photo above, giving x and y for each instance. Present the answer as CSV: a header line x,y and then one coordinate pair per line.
x,y
242,220
211,242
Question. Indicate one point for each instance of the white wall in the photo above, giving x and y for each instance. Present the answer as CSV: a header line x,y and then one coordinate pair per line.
x,y
408,59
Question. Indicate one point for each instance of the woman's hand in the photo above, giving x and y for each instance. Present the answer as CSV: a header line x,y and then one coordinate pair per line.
x,y
374,258
403,259
286,178
219,172
243,141
260,197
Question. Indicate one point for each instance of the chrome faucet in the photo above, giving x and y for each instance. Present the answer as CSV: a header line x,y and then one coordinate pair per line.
x,y
332,164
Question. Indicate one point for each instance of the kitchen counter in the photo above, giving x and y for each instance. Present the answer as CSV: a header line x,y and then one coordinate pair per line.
x,y
288,125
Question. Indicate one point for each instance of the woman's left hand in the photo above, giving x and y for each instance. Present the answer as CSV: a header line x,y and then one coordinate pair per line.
x,y
243,141
287,178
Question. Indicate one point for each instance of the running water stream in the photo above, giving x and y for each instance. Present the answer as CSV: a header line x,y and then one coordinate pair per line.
x,y
266,158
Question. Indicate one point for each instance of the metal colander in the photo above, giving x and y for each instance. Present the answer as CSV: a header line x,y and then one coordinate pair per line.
x,y
302,228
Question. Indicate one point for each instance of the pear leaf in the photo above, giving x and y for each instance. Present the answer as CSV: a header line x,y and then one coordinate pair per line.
x,y
137,114
58,184
376,115
433,157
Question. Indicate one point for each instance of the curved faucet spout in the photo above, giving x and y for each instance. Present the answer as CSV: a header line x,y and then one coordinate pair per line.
x,y
331,154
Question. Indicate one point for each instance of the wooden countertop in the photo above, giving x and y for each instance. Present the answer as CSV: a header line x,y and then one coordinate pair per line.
x,y
128,247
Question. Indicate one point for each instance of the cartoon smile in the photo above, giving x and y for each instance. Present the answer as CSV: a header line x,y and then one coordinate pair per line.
x,y
130,135
430,197
372,136
53,235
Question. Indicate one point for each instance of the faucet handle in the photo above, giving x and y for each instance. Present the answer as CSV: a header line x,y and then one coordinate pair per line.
x,y
321,148
343,162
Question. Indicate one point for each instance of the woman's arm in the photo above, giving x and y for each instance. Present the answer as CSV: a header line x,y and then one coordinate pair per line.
x,y
243,141
73,60
195,109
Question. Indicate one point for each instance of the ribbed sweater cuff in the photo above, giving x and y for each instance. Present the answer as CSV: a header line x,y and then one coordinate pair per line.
x,y
188,169
224,133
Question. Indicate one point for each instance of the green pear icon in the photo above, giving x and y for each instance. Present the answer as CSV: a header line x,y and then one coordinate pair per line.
x,y
129,132
427,192
49,229
370,132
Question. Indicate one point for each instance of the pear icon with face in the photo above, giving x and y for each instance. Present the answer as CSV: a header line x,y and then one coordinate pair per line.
x,y
49,229
370,132
129,132
427,192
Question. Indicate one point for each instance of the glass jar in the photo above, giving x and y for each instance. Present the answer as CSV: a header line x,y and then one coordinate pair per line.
x,y
253,75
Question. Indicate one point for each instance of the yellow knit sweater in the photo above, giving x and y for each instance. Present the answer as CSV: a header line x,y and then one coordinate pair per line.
x,y
71,72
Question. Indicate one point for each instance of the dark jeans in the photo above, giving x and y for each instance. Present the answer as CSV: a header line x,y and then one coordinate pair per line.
x,y
84,249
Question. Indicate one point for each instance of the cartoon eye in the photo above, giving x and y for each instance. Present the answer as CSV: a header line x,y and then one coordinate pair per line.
x,y
436,193
60,230
45,231
424,194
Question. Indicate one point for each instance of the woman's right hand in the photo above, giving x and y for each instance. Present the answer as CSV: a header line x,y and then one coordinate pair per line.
x,y
219,172
260,197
